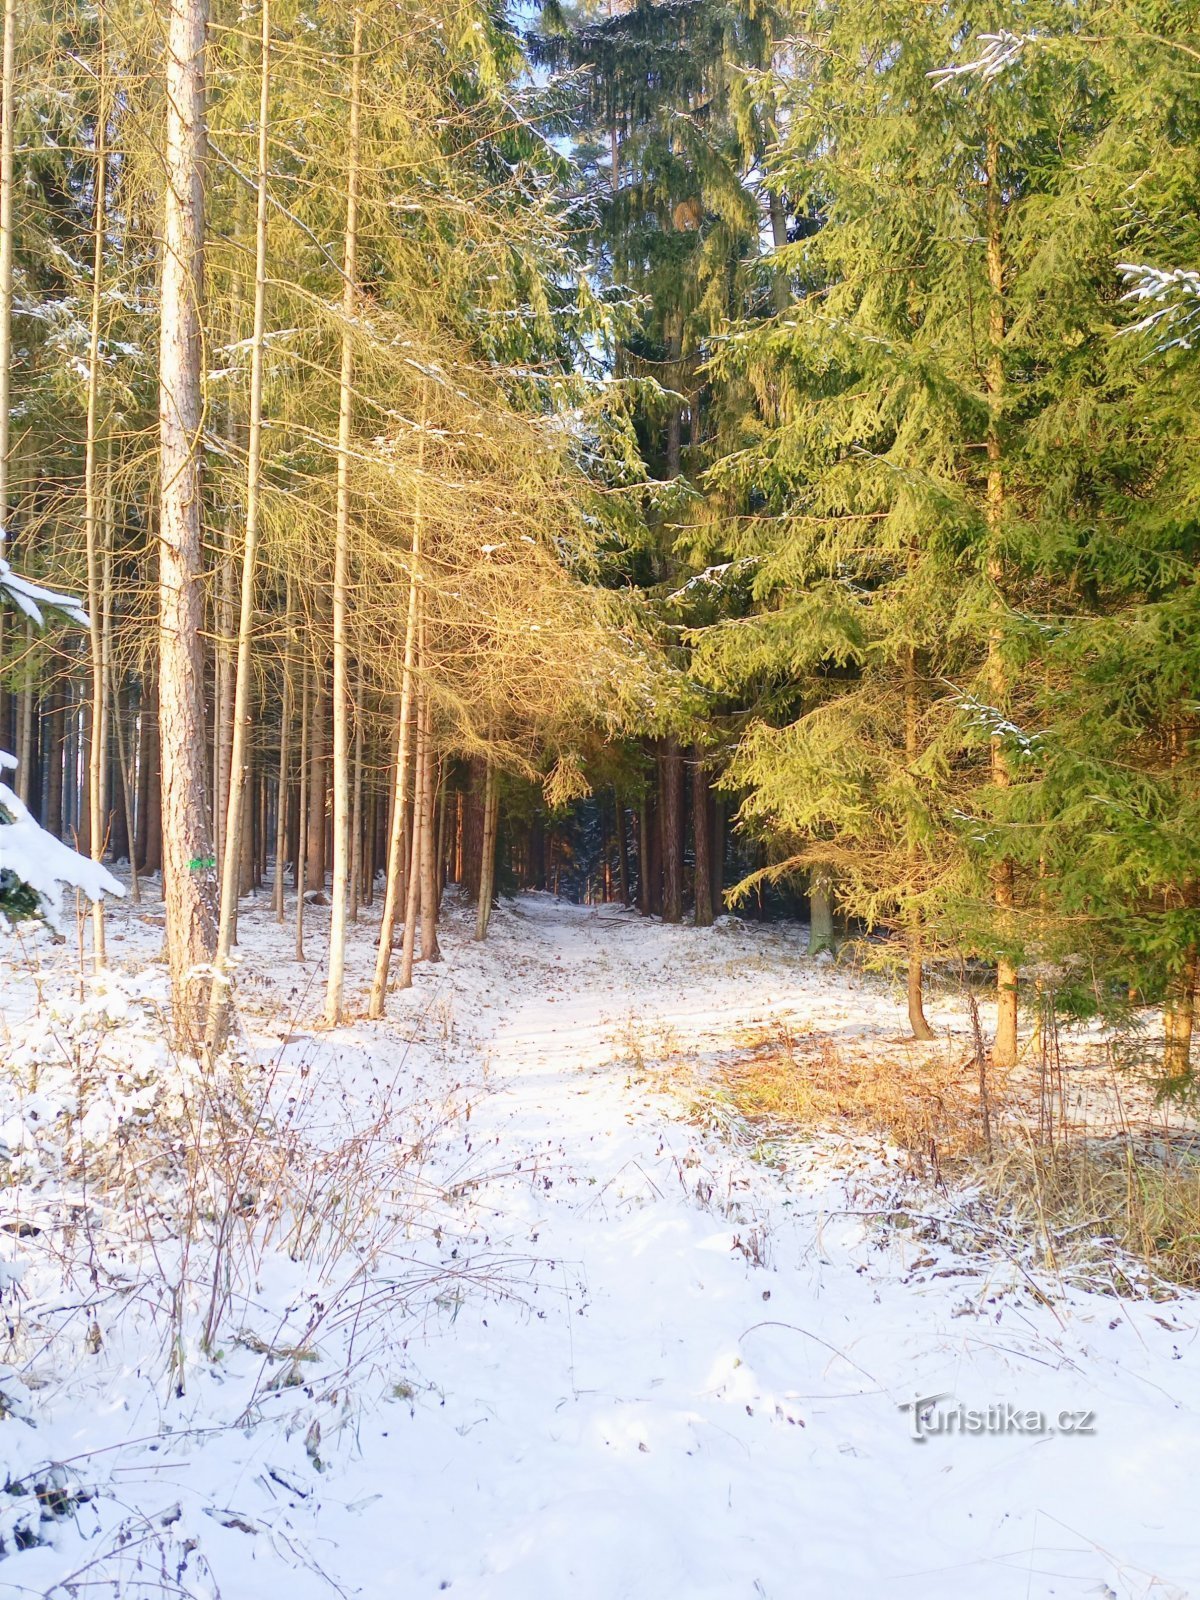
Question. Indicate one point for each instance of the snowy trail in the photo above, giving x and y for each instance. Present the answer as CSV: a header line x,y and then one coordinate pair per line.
x,y
680,1421
688,1383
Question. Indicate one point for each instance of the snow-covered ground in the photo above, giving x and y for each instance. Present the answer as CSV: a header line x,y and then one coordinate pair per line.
x,y
570,1340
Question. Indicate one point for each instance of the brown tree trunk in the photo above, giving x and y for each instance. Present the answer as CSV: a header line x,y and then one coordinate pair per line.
x,y
188,862
704,905
428,862
1178,1020
341,569
670,801
315,832
622,848
1004,1050
487,873
716,850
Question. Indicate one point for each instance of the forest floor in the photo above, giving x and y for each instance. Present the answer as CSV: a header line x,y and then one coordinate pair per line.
x,y
506,1297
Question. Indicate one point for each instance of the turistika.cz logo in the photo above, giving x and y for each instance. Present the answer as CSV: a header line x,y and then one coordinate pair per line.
x,y
930,1417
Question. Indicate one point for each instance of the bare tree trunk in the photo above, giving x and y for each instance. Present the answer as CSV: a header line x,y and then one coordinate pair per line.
x,y
916,1005
395,861
1178,1020
357,851
622,848
135,890
302,816
315,866
285,736
341,562
8,87
428,861
232,864
487,874
412,908
670,801
93,524
716,851
704,905
1004,1050
188,861
821,934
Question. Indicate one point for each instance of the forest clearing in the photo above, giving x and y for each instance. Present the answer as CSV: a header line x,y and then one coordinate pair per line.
x,y
599,799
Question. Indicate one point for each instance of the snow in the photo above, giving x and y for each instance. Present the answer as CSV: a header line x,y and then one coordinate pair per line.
x,y
582,1340
44,862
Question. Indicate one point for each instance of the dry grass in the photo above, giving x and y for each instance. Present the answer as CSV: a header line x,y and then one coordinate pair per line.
x,y
1124,1208
926,1099
1087,1199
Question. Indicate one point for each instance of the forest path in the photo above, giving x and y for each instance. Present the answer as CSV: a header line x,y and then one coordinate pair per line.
x,y
699,1392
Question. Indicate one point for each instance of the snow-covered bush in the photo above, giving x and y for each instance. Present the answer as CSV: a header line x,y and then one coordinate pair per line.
x,y
35,867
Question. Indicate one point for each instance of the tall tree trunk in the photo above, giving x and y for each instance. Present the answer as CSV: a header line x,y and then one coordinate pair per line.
x,y
412,908
428,860
127,793
302,810
315,866
716,850
341,561
916,1003
487,874
285,737
622,847
355,891
93,523
1178,1019
8,87
1004,1050
700,839
645,828
821,934
395,858
54,762
670,801
232,863
188,864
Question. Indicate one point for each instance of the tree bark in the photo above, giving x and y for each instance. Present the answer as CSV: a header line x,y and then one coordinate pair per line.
x,y
821,934
395,861
428,861
285,737
700,839
233,863
302,810
94,529
670,800
622,847
8,87
916,1005
315,863
188,864
1178,1020
487,872
341,560
412,909
1004,1049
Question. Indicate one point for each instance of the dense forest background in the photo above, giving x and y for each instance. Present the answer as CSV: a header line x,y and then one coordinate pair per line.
x,y
697,454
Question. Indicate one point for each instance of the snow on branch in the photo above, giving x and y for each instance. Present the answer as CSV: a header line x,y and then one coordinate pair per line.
x,y
999,52
30,598
1173,296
